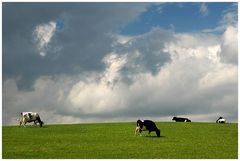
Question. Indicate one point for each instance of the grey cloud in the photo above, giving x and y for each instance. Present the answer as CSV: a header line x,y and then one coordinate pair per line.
x,y
167,73
229,46
84,39
146,50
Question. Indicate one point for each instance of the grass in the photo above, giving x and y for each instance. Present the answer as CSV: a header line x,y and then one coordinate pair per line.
x,y
117,141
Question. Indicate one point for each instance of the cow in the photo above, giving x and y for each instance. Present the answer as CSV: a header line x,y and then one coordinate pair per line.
x,y
180,119
221,120
146,125
27,117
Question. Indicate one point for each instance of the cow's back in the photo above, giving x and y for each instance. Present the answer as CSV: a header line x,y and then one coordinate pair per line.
x,y
30,116
150,125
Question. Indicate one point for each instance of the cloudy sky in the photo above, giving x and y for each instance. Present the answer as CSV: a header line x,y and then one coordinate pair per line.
x,y
102,62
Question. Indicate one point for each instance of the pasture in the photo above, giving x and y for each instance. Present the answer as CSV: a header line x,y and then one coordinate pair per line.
x,y
118,141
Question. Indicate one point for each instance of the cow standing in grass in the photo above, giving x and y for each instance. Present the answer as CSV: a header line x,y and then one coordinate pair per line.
x,y
146,125
180,119
27,117
221,120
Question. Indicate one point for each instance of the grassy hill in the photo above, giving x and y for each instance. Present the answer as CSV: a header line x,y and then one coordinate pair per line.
x,y
117,140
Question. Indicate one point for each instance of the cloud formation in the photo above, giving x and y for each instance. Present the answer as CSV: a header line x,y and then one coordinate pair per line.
x,y
229,18
43,35
74,34
203,9
194,82
158,74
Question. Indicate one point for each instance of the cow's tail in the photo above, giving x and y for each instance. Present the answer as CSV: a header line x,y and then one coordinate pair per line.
x,y
158,132
40,121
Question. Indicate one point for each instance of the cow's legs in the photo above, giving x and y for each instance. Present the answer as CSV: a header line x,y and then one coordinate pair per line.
x,y
137,129
140,131
39,120
158,132
35,122
149,133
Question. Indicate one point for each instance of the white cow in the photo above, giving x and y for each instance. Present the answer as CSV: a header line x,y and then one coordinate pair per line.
x,y
30,117
221,120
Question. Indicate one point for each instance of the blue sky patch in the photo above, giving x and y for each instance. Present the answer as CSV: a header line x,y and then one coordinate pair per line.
x,y
60,24
180,17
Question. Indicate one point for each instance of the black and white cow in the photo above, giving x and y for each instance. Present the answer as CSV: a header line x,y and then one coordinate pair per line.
x,y
27,117
221,120
180,119
146,125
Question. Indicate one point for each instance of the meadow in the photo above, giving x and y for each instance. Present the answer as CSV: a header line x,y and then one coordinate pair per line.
x,y
118,141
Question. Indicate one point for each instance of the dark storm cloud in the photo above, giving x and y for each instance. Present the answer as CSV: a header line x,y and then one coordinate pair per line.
x,y
78,46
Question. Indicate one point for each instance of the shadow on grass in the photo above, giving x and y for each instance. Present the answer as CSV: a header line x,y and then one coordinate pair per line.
x,y
155,136
33,126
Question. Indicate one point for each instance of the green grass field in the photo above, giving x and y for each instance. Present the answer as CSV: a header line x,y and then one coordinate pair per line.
x,y
117,140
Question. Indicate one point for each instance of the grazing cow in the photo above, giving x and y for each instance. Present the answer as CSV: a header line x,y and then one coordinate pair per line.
x,y
146,125
30,117
180,119
221,120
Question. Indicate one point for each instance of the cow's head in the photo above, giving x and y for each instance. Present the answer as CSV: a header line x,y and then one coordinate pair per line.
x,y
139,122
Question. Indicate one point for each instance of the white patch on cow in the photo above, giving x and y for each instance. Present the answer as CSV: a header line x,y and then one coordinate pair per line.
x,y
137,129
27,117
142,120
144,128
221,120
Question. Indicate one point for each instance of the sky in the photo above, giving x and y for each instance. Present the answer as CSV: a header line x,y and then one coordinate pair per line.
x,y
109,62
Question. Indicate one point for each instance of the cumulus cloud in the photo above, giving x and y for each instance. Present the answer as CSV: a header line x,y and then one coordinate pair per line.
x,y
194,83
157,75
103,93
43,34
77,35
229,44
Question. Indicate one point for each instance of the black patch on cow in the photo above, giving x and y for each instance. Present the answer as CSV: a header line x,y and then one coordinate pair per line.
x,y
220,121
30,116
181,119
40,121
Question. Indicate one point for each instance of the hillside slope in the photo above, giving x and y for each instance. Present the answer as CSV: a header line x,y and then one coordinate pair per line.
x,y
117,140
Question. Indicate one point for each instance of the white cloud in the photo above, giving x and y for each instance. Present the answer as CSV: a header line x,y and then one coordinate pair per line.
x,y
222,74
229,18
43,34
195,76
229,46
120,39
114,64
203,9
195,83
103,93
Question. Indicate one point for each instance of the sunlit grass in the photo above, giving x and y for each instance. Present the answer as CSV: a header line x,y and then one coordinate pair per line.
x,y
117,140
